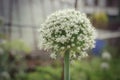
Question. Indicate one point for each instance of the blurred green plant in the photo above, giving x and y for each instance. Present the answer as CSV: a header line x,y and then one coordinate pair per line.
x,y
12,59
92,70
45,73
15,45
89,69
51,72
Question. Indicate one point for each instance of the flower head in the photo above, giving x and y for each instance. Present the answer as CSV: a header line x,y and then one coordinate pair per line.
x,y
67,30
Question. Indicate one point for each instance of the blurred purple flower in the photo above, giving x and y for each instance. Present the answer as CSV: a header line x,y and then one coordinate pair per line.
x,y
99,46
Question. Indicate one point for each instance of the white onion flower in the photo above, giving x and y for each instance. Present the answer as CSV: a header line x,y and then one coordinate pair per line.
x,y
105,65
53,55
106,55
68,30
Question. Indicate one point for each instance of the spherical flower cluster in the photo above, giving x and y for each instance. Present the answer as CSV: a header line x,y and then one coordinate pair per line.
x,y
67,30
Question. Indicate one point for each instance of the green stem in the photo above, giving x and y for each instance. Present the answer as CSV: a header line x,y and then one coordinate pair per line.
x,y
66,66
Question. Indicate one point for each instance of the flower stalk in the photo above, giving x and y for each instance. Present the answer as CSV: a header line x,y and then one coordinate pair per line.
x,y
66,66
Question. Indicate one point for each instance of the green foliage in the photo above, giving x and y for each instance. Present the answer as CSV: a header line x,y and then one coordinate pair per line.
x,y
11,66
45,73
92,70
85,70
12,60
16,45
80,70
115,69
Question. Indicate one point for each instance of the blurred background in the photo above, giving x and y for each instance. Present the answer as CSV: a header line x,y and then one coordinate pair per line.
x,y
21,58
